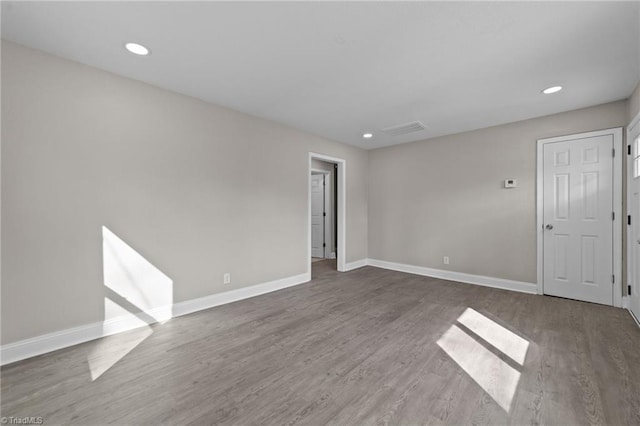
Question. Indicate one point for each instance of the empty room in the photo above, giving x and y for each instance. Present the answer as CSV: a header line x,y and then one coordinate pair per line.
x,y
346,213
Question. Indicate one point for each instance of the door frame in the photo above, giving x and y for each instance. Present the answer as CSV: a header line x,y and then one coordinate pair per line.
x,y
633,130
616,132
327,218
341,219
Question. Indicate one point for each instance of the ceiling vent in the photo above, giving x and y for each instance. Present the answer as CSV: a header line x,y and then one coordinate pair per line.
x,y
404,129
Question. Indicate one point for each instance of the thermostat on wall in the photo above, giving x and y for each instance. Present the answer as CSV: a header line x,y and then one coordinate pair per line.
x,y
510,183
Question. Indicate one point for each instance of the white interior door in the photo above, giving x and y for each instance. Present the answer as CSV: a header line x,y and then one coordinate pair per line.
x,y
634,210
329,218
578,218
317,215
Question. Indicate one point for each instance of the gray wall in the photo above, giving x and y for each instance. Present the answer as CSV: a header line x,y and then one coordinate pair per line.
x,y
634,103
190,186
445,196
193,188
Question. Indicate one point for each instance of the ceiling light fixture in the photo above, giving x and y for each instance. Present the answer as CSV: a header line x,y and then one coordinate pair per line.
x,y
367,135
550,90
137,49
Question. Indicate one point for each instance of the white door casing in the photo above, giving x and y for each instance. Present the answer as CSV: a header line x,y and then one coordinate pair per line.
x,y
317,215
577,217
341,207
633,206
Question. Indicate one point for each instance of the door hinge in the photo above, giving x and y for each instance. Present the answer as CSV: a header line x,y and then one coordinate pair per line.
x,y
628,219
628,149
613,152
613,279
324,213
324,244
628,290
613,215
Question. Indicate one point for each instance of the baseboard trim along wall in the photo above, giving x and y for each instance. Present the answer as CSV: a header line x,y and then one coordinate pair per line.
x,y
462,277
634,318
28,348
194,305
520,286
355,265
39,345
625,305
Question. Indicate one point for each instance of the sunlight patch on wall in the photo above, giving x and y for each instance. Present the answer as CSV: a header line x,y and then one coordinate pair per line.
x,y
495,376
136,294
115,315
133,278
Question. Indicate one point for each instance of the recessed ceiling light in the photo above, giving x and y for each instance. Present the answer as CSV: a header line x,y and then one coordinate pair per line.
x,y
137,49
553,89
367,135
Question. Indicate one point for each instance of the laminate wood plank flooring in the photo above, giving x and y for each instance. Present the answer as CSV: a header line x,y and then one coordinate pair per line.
x,y
370,346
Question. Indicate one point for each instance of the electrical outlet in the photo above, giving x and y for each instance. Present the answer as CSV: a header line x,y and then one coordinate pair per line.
x,y
227,278
510,183
445,260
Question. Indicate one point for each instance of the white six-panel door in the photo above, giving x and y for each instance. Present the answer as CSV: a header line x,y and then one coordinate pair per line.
x,y
578,218
317,215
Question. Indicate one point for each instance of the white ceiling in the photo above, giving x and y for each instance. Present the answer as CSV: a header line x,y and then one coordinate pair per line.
x,y
338,69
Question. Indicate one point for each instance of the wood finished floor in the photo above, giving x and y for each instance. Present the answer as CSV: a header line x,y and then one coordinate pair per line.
x,y
352,348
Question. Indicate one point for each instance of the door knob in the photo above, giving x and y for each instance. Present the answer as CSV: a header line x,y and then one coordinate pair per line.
x,y
549,226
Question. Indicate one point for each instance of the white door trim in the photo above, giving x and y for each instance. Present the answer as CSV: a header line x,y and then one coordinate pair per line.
x,y
341,220
617,205
633,130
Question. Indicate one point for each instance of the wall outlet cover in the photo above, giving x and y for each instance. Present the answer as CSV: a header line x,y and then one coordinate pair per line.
x,y
510,183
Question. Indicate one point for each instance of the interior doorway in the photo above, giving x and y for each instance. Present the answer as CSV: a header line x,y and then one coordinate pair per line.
x,y
322,217
327,212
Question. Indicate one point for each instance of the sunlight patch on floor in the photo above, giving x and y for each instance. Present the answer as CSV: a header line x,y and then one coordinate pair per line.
x,y
506,341
495,376
109,350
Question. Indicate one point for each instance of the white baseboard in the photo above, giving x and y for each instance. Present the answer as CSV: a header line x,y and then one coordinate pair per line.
x,y
28,348
625,302
355,265
218,299
625,305
462,277
634,318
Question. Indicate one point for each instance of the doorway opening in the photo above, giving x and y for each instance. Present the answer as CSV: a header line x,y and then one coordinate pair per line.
x,y
322,213
327,209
